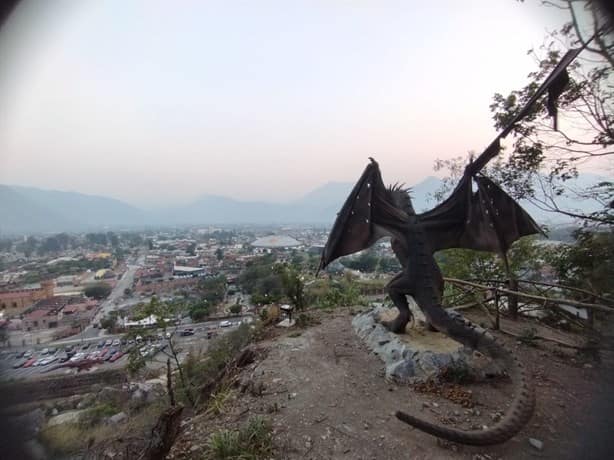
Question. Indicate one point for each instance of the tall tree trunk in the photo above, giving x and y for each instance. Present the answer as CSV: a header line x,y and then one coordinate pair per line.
x,y
512,285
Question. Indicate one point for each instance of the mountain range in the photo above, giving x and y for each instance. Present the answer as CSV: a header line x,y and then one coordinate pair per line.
x,y
26,210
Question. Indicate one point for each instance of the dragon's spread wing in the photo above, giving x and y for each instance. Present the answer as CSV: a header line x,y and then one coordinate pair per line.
x,y
355,228
487,219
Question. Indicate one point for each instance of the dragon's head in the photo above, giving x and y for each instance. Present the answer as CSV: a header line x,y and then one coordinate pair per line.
x,y
400,198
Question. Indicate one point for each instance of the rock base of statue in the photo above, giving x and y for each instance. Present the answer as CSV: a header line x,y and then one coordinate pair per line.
x,y
415,356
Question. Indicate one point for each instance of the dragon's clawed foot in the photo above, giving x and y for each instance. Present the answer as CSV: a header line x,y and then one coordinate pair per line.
x,y
398,324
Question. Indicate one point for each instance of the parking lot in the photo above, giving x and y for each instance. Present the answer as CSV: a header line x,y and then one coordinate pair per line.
x,y
106,353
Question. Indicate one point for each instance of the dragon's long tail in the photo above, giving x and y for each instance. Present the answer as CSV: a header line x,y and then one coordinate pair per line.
x,y
523,403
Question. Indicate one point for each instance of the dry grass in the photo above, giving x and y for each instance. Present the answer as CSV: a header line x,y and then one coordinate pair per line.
x,y
252,441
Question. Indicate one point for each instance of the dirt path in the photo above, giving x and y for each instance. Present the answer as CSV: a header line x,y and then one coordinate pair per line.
x,y
327,398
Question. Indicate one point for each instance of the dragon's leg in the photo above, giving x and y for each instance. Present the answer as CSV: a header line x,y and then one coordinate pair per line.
x,y
438,285
398,288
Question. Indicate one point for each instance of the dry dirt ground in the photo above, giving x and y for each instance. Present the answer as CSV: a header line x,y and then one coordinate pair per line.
x,y
326,397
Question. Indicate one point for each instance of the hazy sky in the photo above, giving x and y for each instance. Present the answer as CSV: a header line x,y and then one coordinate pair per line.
x,y
156,102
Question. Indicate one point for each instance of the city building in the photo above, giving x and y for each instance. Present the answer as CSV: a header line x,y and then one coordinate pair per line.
x,y
14,302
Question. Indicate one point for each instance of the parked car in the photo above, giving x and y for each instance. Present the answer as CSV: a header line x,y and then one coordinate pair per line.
x,y
110,354
64,357
29,362
45,351
116,356
85,346
225,324
48,360
19,363
187,331
108,343
28,354
116,343
100,344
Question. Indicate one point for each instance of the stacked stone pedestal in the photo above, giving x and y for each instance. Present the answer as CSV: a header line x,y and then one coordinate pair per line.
x,y
412,357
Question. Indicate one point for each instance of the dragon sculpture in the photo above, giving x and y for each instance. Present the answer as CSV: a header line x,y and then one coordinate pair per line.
x,y
478,215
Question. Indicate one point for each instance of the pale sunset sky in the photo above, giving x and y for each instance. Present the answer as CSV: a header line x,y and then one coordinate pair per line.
x,y
158,102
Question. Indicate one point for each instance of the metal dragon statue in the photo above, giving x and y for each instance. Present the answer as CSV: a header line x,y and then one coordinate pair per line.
x,y
486,219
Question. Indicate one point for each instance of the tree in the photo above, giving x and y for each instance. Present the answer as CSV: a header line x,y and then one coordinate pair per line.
x,y
213,289
98,290
199,310
588,263
261,281
293,285
365,262
110,321
235,309
543,158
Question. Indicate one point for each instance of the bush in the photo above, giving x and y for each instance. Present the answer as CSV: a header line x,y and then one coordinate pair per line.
x,y
201,369
254,440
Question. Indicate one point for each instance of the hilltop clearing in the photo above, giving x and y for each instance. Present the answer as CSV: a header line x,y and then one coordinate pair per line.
x,y
325,396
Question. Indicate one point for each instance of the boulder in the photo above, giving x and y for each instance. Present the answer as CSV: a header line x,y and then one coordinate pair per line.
x,y
110,395
87,401
29,423
118,418
71,416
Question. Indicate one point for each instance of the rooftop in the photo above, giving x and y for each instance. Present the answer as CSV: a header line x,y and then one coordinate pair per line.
x,y
276,241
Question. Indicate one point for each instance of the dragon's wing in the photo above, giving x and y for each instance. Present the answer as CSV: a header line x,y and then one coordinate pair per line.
x,y
487,219
356,226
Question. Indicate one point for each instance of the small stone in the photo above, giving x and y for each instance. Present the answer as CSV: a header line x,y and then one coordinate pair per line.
x,y
118,418
588,366
435,405
536,443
